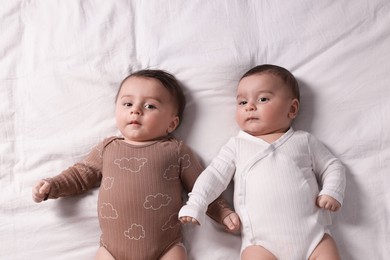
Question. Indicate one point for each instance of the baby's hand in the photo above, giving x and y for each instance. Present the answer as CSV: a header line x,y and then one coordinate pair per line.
x,y
186,219
327,202
41,191
232,222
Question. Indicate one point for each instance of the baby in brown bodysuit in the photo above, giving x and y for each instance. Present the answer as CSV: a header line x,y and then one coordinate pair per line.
x,y
141,175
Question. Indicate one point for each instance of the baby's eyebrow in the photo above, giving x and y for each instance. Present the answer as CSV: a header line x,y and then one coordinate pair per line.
x,y
126,96
265,92
154,99
145,98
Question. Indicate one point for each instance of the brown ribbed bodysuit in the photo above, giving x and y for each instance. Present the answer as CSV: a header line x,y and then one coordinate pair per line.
x,y
140,194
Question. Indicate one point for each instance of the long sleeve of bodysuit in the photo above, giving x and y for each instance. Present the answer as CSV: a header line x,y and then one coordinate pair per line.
x,y
211,183
216,206
80,177
328,169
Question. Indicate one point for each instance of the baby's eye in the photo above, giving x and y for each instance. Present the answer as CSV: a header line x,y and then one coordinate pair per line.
x,y
127,104
263,99
242,103
149,106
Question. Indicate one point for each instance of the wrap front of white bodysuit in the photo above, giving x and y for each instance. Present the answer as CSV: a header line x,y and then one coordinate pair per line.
x,y
276,189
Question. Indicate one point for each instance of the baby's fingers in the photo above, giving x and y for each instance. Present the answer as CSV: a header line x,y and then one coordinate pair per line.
x,y
45,188
232,222
40,191
37,197
187,219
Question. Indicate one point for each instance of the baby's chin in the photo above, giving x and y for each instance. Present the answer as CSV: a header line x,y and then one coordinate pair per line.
x,y
255,131
267,134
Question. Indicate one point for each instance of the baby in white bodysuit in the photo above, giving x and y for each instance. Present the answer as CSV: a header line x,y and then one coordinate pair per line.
x,y
286,182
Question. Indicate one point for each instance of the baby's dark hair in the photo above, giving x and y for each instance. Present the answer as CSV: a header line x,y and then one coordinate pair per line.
x,y
168,81
285,75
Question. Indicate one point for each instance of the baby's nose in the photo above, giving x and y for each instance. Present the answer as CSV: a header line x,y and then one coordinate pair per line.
x,y
250,107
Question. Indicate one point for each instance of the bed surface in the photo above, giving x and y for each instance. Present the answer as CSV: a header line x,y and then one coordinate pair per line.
x,y
61,63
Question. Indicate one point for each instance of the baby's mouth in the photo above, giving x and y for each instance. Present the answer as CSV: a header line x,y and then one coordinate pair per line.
x,y
134,122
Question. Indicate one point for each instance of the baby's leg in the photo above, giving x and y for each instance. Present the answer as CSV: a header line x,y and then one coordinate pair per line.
x,y
103,254
326,250
177,252
257,252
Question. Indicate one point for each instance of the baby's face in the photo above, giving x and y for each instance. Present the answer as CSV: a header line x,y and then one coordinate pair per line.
x,y
264,105
145,110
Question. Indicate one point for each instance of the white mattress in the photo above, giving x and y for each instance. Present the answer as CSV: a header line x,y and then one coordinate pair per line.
x,y
61,63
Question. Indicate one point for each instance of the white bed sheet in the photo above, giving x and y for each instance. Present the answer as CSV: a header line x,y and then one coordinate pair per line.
x,y
61,62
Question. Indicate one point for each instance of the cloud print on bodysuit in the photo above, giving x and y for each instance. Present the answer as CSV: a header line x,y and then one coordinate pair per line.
x,y
108,211
172,173
171,222
135,232
108,182
157,201
132,164
184,161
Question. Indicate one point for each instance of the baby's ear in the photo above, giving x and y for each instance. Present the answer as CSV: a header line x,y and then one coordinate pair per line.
x,y
294,108
173,125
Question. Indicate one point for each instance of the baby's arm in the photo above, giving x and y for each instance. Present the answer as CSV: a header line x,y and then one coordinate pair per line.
x,y
76,179
208,186
331,174
41,191
204,193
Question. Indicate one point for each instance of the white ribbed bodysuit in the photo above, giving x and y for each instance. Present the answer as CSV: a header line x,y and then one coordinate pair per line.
x,y
275,189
